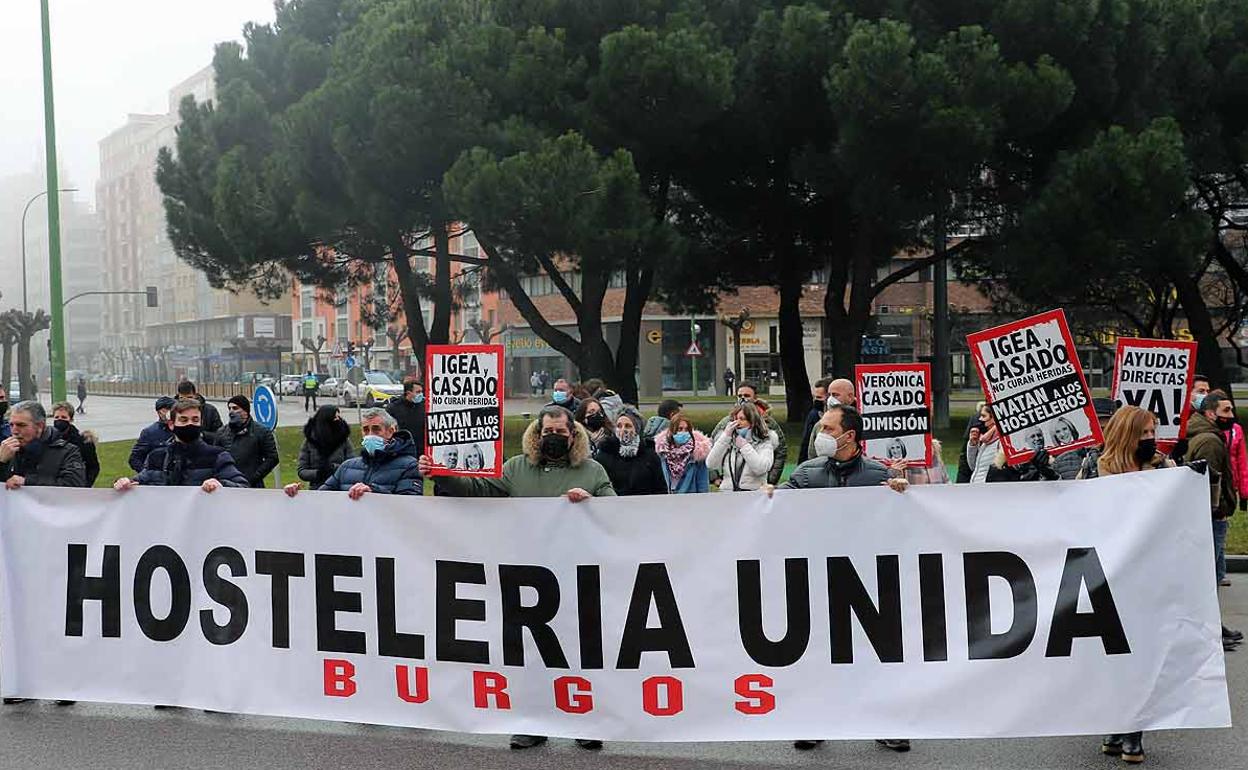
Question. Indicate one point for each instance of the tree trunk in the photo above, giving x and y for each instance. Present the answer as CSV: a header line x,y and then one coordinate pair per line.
x,y
23,367
635,295
409,293
1200,321
797,396
443,299
6,371
599,360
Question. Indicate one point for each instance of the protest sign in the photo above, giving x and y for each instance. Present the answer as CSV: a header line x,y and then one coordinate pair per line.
x,y
1156,375
1005,610
464,409
1035,387
896,405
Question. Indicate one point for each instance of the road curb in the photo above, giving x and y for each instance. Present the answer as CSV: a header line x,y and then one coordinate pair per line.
x,y
1236,563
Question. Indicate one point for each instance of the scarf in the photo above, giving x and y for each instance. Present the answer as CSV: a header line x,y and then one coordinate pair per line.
x,y
989,436
630,448
677,458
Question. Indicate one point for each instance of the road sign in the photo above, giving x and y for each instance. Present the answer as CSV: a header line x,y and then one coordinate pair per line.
x,y
350,362
356,375
693,350
264,407
338,352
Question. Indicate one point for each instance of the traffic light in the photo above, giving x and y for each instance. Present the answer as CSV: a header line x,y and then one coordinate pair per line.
x,y
151,297
350,348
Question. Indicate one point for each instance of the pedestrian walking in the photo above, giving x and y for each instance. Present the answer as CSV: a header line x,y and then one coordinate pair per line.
x,y
186,460
545,380
556,463
387,463
82,396
535,383
63,423
311,386
326,445
730,379
630,460
591,414
252,445
1130,447
35,456
684,450
410,412
743,451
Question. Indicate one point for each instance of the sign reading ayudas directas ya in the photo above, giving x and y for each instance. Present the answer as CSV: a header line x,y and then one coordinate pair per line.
x,y
610,620
1156,375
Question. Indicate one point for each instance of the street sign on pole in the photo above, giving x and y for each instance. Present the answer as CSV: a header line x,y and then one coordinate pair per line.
x,y
350,362
264,412
693,351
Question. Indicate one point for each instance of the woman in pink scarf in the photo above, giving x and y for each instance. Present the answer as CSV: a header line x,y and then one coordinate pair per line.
x,y
683,451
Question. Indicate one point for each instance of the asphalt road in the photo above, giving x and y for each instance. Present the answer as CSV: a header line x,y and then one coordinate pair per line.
x,y
41,735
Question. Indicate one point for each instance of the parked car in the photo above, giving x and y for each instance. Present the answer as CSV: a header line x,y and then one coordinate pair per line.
x,y
291,385
377,388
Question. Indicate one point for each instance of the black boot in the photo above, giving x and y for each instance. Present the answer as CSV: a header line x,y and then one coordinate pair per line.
x,y
1232,634
805,745
527,741
1112,745
11,701
1133,748
589,744
896,744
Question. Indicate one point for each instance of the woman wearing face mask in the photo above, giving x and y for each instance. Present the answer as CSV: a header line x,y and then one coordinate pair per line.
x,y
591,414
63,422
630,460
684,451
743,451
982,446
1130,447
326,445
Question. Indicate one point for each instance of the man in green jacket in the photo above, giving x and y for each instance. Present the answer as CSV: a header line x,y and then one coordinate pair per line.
x,y
555,463
1206,440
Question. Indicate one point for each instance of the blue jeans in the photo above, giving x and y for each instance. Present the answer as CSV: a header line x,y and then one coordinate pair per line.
x,y
1219,547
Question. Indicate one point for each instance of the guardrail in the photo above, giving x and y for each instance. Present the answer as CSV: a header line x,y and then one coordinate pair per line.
x,y
213,391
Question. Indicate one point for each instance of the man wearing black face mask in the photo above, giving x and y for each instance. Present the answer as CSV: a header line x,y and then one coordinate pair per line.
x,y
251,445
186,460
556,463
63,422
409,412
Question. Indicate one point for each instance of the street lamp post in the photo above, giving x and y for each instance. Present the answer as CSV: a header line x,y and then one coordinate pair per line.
x,y
694,328
54,216
25,211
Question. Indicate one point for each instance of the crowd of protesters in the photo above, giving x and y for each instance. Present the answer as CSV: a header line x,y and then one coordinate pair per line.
x,y
587,442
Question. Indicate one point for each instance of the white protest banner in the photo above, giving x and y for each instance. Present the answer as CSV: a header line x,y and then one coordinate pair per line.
x,y
895,401
947,611
1156,375
1035,387
464,409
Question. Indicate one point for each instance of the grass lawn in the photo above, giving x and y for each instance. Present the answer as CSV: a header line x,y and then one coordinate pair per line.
x,y
113,456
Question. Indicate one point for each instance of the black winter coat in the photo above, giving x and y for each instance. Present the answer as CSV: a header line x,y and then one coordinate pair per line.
x,y
85,442
411,418
210,419
154,435
254,451
49,462
639,475
176,464
317,462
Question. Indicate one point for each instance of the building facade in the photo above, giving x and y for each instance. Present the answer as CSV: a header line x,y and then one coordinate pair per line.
x,y
195,331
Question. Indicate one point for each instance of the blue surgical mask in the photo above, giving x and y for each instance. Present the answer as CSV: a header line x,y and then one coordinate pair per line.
x,y
419,398
744,433
1198,401
682,437
373,444
560,396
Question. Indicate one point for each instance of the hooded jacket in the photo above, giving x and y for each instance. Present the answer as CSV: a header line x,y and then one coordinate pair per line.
x,y
320,455
1206,442
253,448
696,477
178,464
641,474
49,462
531,475
85,442
827,473
391,471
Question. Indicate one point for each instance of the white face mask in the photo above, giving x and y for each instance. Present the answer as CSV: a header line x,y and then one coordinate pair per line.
x,y
826,446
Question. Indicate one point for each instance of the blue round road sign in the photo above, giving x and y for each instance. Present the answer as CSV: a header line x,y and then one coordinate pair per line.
x,y
350,362
264,407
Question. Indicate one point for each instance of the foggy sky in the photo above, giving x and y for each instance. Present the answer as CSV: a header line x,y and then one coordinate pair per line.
x,y
110,58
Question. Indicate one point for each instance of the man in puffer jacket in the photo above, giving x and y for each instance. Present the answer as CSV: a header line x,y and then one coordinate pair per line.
x,y
186,460
387,463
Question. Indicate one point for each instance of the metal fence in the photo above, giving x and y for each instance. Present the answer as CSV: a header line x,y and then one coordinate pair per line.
x,y
213,391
